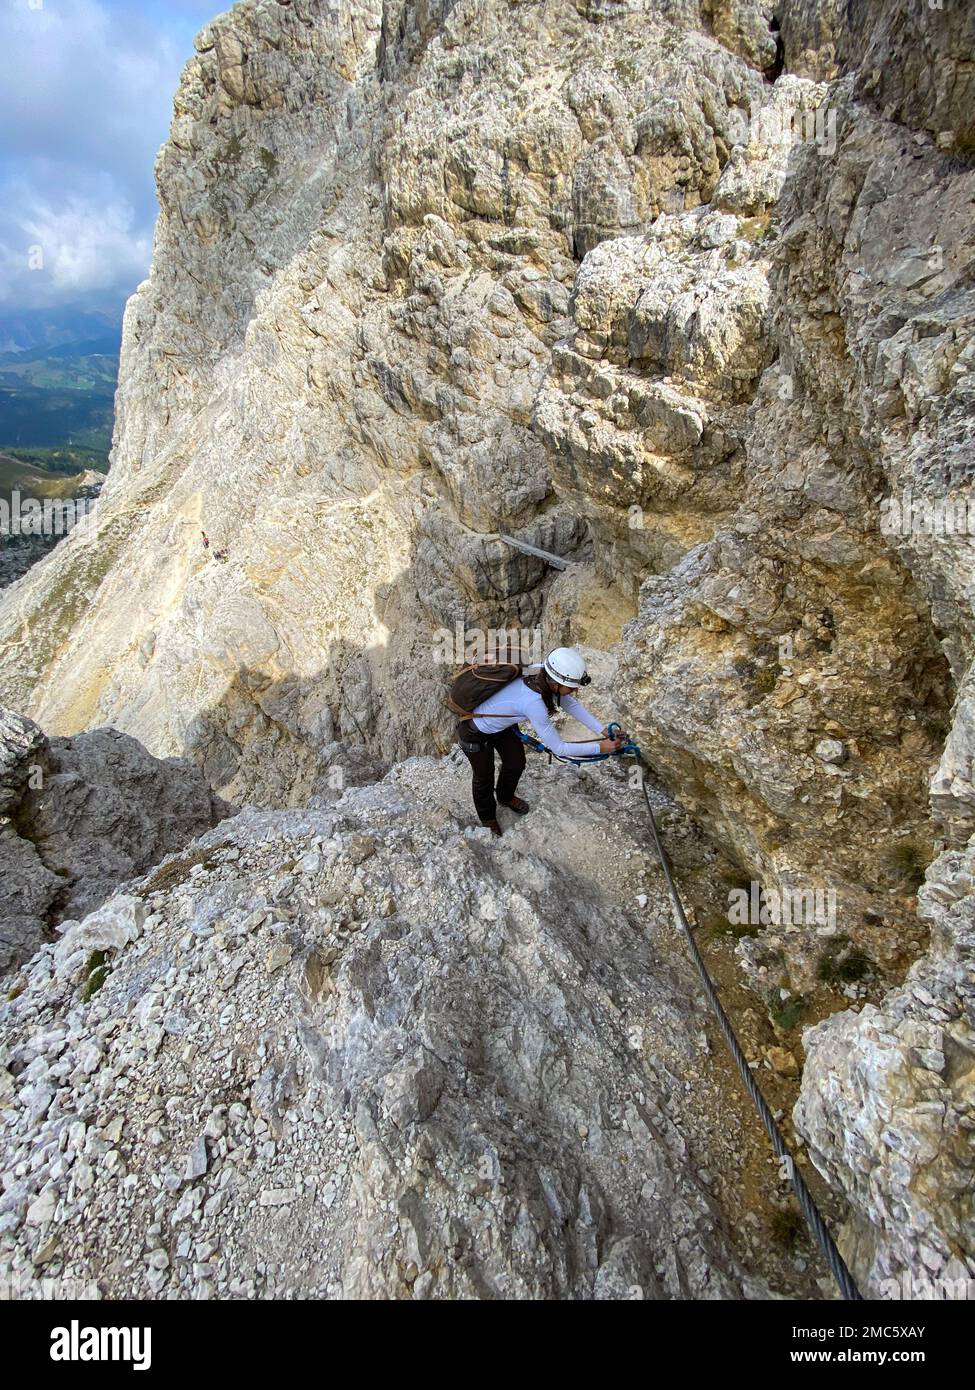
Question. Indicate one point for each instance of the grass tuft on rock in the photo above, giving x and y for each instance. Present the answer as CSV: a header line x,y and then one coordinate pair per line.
x,y
905,861
96,973
786,1014
842,963
786,1227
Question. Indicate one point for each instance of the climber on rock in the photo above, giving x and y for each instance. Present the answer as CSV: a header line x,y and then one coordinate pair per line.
x,y
534,696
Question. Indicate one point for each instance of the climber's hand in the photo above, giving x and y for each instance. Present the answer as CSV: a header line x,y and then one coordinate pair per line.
x,y
620,734
610,745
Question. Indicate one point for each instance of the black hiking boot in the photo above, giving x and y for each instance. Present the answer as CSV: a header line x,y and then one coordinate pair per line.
x,y
520,808
493,826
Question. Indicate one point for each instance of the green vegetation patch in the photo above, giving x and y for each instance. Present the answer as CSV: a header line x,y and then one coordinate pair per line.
x,y
786,1014
842,963
765,679
66,458
96,973
754,229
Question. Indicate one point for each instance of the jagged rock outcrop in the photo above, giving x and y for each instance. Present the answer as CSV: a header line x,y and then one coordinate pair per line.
x,y
79,817
888,1107
364,1052
586,274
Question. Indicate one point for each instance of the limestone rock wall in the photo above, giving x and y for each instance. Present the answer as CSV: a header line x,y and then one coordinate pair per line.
x,y
372,221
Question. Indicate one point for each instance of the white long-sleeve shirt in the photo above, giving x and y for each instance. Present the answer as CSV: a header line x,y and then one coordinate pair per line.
x,y
517,701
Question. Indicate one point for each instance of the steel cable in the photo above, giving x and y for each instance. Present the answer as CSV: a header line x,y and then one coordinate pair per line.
x,y
804,1197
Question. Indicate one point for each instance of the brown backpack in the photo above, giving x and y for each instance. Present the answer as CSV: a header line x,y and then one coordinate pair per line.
x,y
474,684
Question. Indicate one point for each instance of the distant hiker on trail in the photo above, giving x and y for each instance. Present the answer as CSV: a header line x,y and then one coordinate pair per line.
x,y
206,540
491,719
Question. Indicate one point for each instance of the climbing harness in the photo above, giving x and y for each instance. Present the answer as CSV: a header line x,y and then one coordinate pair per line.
x,y
810,1211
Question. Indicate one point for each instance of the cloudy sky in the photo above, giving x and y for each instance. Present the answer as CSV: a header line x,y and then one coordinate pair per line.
x,y
86,90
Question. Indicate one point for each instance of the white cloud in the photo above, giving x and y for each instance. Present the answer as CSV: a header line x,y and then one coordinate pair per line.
x,y
86,87
82,244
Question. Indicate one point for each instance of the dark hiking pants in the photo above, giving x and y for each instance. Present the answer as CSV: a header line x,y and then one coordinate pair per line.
x,y
479,749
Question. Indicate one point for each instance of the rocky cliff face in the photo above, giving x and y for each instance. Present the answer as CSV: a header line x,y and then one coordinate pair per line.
x,y
585,274
79,817
372,221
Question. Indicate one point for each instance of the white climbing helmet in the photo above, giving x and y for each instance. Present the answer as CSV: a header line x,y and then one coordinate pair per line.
x,y
567,667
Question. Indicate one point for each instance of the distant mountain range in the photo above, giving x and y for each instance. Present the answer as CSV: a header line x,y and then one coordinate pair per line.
x,y
106,344
58,372
27,330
